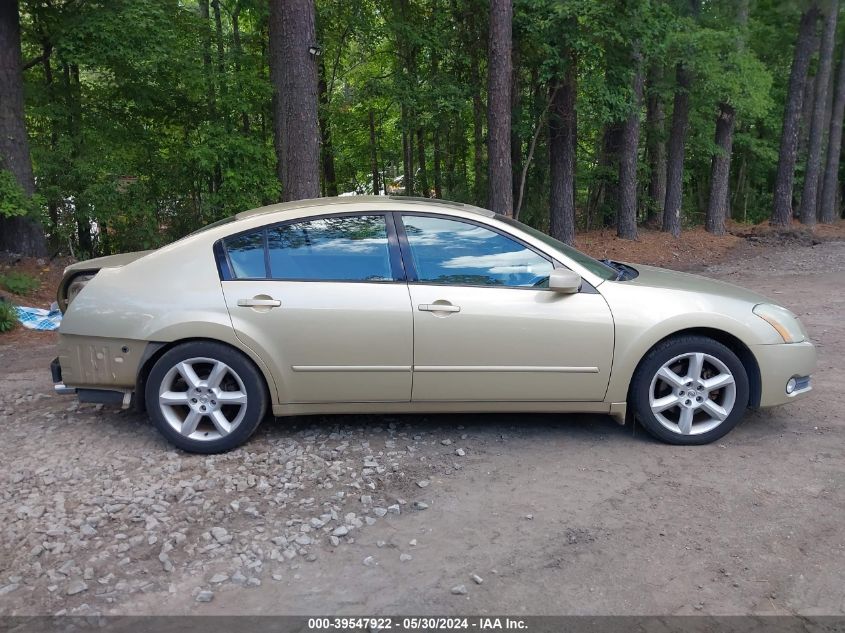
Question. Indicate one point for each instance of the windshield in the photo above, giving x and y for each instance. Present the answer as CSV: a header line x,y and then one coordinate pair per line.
x,y
593,265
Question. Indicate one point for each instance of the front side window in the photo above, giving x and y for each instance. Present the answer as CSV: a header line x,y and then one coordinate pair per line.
x,y
341,248
593,265
446,251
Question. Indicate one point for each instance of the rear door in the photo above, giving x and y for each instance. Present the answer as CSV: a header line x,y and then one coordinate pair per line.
x,y
485,326
323,301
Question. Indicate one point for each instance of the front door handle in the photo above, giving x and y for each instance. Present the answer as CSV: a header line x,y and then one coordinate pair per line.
x,y
259,303
438,307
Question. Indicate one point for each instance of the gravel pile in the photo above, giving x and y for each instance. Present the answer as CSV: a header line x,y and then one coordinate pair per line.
x,y
95,507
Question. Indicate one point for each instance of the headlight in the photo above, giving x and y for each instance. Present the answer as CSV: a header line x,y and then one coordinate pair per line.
x,y
786,323
76,286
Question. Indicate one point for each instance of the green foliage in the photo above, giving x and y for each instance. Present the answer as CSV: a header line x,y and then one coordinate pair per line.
x,y
18,283
13,199
8,317
146,123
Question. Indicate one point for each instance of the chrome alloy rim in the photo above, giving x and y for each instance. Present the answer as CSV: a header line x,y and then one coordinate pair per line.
x,y
692,394
202,399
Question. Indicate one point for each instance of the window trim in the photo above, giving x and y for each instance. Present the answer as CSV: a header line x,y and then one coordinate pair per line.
x,y
411,271
397,266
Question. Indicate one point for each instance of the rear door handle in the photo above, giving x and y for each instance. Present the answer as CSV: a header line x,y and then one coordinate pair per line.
x,y
438,307
253,303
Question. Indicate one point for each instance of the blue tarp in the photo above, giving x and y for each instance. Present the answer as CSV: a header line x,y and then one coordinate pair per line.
x,y
40,319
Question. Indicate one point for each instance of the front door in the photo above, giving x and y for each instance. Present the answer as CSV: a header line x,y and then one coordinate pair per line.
x,y
485,328
323,302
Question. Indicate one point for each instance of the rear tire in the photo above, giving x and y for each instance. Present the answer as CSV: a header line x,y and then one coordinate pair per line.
x,y
205,397
689,390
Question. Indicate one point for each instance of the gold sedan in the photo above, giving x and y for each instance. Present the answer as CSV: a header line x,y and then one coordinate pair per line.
x,y
402,305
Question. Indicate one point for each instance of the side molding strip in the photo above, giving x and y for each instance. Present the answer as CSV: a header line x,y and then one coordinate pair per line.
x,y
361,368
506,368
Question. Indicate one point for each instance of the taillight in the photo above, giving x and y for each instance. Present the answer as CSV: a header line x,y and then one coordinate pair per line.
x,y
76,286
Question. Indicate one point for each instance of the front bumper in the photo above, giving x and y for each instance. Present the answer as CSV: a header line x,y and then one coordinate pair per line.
x,y
779,363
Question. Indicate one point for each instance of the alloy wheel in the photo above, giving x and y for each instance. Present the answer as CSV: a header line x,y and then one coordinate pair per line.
x,y
202,398
693,393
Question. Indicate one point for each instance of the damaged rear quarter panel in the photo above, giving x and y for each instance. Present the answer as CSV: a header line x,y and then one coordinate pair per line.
x,y
168,295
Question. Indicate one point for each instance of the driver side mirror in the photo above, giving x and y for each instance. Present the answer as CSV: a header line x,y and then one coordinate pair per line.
x,y
564,281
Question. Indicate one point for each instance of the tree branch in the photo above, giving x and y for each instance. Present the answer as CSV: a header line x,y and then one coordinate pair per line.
x,y
531,148
38,60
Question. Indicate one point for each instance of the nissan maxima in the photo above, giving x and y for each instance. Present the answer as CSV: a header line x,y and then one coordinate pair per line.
x,y
401,305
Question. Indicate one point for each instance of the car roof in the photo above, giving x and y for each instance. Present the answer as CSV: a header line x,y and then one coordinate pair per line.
x,y
395,202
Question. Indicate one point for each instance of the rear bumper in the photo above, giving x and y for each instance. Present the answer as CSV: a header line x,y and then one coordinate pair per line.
x,y
119,397
58,385
779,363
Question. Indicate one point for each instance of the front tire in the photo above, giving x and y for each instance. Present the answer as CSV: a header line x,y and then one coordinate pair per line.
x,y
205,397
689,390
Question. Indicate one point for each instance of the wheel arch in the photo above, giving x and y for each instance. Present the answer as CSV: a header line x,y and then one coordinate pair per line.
x,y
733,343
155,350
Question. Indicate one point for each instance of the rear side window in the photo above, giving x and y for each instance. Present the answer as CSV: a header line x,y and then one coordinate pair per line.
x,y
246,253
342,248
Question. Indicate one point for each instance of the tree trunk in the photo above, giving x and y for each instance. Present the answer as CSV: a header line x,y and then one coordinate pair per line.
x,y
675,155
405,77
516,141
828,113
474,39
603,197
426,192
741,185
437,140
451,157
562,146
54,199
18,234
720,166
809,195
221,63
239,51
407,153
326,149
626,218
500,174
656,143
828,210
478,146
294,74
809,93
438,161
720,172
782,202
73,102
373,152
206,58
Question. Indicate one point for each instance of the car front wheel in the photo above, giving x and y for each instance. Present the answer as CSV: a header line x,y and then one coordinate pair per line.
x,y
205,397
689,390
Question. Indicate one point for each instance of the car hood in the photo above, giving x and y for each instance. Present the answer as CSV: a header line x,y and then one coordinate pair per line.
x,y
653,277
109,261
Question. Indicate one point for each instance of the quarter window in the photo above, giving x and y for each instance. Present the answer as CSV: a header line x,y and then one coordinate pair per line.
x,y
340,248
460,253
246,253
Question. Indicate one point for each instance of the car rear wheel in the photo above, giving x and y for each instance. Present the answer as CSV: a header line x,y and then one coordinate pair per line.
x,y
689,390
205,397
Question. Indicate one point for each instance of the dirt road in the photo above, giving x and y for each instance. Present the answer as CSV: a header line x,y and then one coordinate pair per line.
x,y
379,515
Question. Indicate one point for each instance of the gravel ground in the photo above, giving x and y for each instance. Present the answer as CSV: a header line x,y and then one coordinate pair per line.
x,y
522,514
